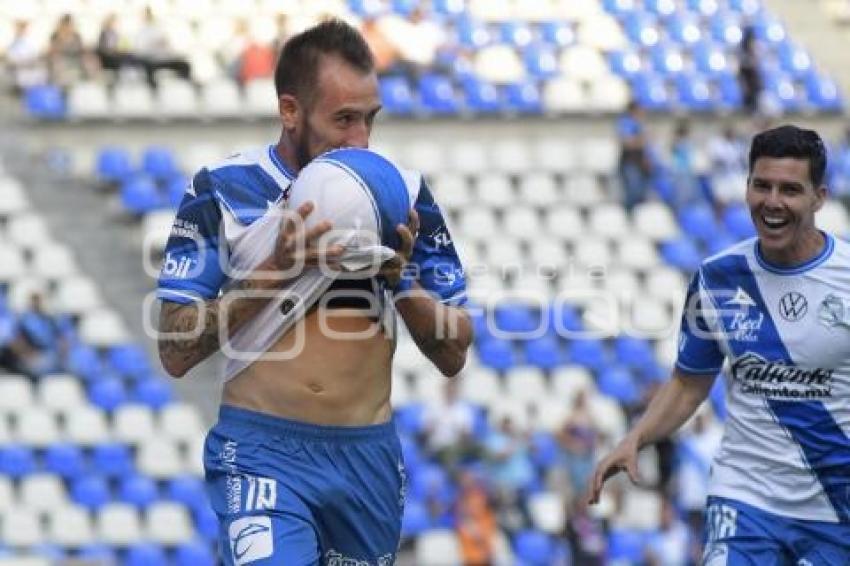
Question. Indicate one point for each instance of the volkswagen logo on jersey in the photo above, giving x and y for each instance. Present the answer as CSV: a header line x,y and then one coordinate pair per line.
x,y
793,306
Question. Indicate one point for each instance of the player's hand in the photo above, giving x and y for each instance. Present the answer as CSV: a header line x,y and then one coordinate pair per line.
x,y
623,457
393,269
298,246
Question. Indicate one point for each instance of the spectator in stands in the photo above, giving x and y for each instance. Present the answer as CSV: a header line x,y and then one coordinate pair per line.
x,y
68,60
508,454
383,50
476,522
749,75
727,153
245,57
36,347
683,166
417,40
283,33
585,534
634,166
578,438
153,49
25,60
448,427
669,545
112,49
696,448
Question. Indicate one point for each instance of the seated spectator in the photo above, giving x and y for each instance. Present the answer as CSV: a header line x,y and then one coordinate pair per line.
x,y
68,60
578,439
669,545
383,50
634,168
728,155
509,460
26,62
476,522
283,33
417,40
153,49
683,166
448,427
112,49
250,59
36,348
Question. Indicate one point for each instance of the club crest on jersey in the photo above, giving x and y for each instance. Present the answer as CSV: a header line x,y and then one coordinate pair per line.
x,y
834,311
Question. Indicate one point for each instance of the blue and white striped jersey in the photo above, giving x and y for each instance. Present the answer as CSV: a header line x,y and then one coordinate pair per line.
x,y
784,335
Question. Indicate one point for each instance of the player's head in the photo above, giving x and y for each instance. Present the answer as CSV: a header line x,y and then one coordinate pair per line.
x,y
784,190
359,191
327,89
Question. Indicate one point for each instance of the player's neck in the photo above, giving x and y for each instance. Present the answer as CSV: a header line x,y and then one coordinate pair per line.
x,y
286,152
806,248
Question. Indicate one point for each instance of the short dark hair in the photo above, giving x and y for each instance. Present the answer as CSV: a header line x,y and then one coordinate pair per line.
x,y
298,64
791,141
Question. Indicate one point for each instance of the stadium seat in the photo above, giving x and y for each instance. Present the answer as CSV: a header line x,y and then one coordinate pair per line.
x,y
22,532
137,490
738,222
88,100
437,547
187,490
416,519
260,99
158,458
436,93
118,524
511,156
636,253
480,385
533,548
498,64
655,221
53,262
523,98
113,164
544,353
70,526
541,61
146,554
168,524
16,394
568,380
37,427
397,96
176,98
626,545
28,231
154,392
107,393
548,512
112,459
221,99
589,353
194,553
65,460
87,426
41,492
103,328
15,200
494,190
133,423
158,162
91,492
497,354
468,157
681,253
140,194
180,422
129,360
564,94
132,101
698,221
45,102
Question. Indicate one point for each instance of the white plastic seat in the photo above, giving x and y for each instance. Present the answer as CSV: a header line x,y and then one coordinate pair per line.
x,y
453,190
525,383
833,218
469,157
665,283
582,62
221,99
536,287
583,189
478,223
522,222
87,100
103,328
548,512
425,156
176,98
495,190
77,294
567,381
565,222
498,64
132,100
21,528
200,154
481,288
28,230
511,156
118,524
54,262
36,427
61,393
14,199
539,189
438,547
480,386
168,524
655,221
622,283
641,510
608,94
514,409
260,98
12,263
133,423
666,351
554,155
592,252
608,416
87,426
70,525
42,492
602,32
158,458
600,155
180,422
564,95
400,394
8,498
651,318
193,462
609,221
550,413
636,252
428,386
504,253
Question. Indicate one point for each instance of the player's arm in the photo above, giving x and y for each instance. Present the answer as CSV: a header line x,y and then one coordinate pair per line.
x,y
193,319
670,408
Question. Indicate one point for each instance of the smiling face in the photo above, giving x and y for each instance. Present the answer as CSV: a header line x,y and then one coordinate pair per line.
x,y
783,200
340,113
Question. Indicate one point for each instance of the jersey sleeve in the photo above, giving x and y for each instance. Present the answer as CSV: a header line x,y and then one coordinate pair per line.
x,y
191,269
434,255
699,349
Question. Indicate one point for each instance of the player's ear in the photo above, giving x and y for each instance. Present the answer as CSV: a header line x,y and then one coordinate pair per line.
x,y
821,194
289,110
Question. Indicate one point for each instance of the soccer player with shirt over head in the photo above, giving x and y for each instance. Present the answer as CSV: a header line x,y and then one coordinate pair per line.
x,y
304,465
776,308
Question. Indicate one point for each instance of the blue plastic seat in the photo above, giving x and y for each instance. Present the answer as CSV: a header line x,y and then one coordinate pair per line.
x,y
794,59
113,164
710,59
651,92
619,8
769,30
564,320
481,96
515,33
84,361
129,360
719,243
626,546
108,393
206,523
694,93
726,28
544,353
661,8
140,195
589,353
397,96
685,29
642,29
194,553
451,8
681,253
705,8
745,7
437,94
516,319
146,554
541,61
187,490
97,553
738,221
619,383
155,392
16,461
523,98
634,353
409,418
472,34
175,189
404,7
416,518
557,33
667,60
430,481
112,459
698,221
625,63
533,548
545,450
497,354
52,553
45,102
823,93
729,90
91,492
138,490
159,162
65,459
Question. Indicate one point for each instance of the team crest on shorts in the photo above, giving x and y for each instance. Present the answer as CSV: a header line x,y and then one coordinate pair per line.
x,y
716,554
250,539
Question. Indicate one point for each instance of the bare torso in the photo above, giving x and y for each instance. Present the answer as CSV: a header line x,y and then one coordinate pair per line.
x,y
341,380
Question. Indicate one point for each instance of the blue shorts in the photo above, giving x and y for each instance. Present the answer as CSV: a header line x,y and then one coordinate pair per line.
x,y
294,493
740,534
